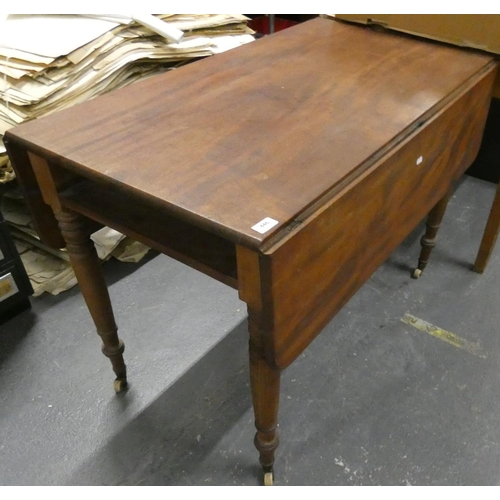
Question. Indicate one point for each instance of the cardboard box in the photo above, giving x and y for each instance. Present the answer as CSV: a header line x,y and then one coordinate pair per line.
x,y
477,31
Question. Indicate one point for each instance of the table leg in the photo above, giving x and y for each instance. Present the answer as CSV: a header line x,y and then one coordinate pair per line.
x,y
265,383
85,262
428,240
490,235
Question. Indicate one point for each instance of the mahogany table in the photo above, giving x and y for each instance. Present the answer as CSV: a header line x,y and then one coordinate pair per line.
x,y
490,235
289,168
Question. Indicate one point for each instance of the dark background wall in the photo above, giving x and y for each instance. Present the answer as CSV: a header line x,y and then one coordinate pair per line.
x,y
487,164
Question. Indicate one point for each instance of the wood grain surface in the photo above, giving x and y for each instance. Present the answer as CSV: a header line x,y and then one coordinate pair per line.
x,y
308,276
264,130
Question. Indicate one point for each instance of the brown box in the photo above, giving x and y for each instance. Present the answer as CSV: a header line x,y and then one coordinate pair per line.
x,y
478,31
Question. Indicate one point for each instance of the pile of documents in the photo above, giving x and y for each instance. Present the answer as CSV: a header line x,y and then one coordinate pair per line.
x,y
49,269
50,62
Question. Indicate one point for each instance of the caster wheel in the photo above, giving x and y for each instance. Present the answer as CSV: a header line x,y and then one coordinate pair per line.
x,y
268,479
120,384
416,274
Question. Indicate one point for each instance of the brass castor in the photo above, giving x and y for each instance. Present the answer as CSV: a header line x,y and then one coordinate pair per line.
x,y
268,478
416,274
120,384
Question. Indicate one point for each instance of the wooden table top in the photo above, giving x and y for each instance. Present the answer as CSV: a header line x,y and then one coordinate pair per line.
x,y
265,130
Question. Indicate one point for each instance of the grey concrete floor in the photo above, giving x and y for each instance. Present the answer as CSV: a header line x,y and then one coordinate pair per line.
x,y
372,401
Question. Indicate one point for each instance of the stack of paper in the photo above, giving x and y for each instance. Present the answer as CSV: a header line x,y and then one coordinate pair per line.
x,y
52,62
50,274
49,269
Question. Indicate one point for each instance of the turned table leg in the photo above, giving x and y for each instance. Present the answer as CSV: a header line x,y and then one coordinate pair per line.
x,y
490,235
428,240
265,384
83,257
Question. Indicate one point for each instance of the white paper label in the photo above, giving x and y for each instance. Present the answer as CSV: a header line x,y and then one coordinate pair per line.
x,y
264,225
420,159
8,286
